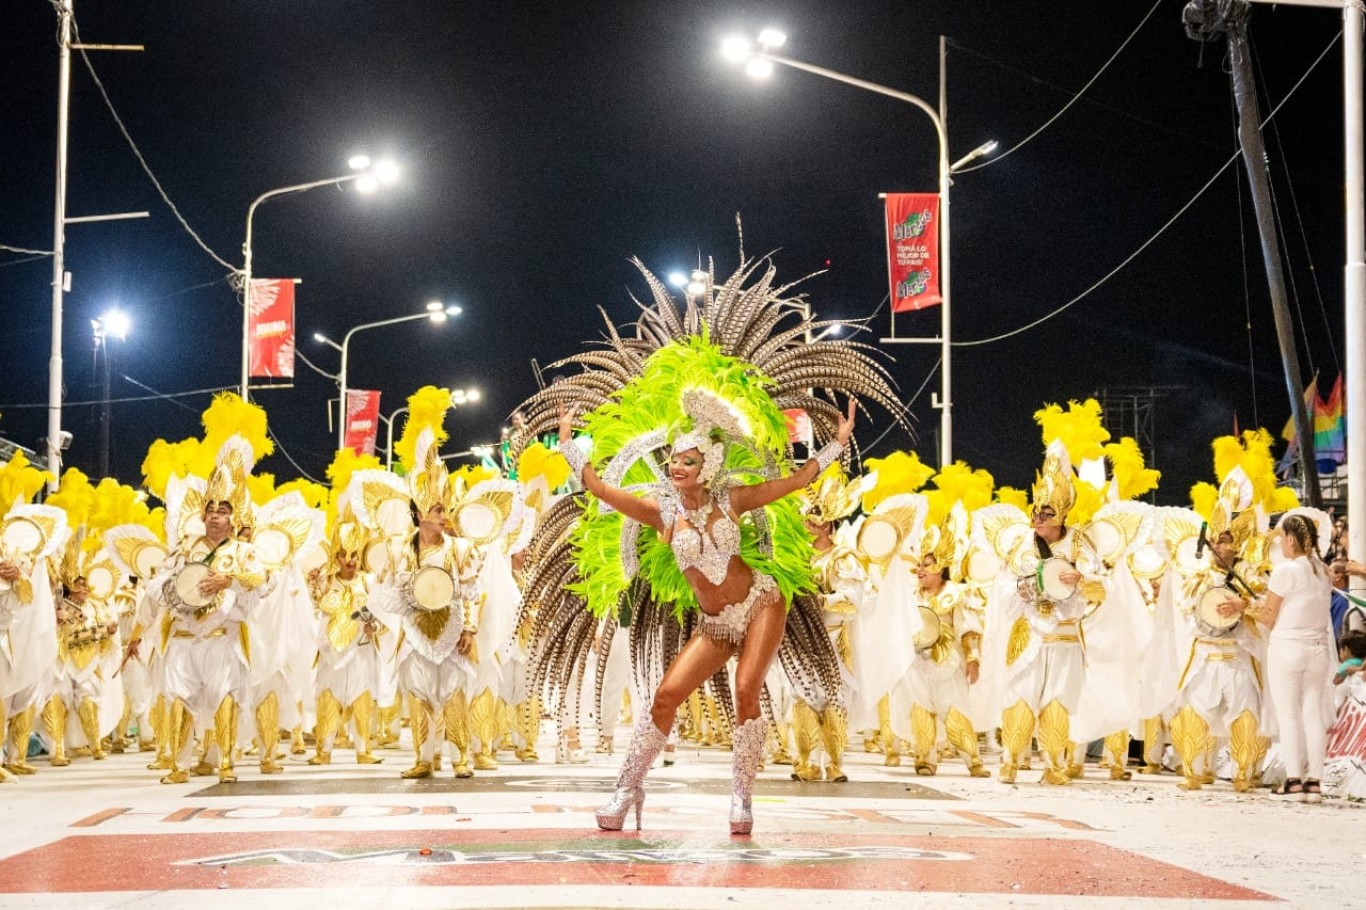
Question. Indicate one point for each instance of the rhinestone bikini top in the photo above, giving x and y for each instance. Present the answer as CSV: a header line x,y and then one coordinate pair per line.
x,y
709,550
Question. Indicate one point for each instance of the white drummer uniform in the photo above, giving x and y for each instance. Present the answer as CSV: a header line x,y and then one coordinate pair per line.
x,y
1220,680
430,670
87,656
206,649
28,645
936,683
348,668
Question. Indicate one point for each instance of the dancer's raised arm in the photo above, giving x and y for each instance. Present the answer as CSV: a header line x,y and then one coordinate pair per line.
x,y
642,509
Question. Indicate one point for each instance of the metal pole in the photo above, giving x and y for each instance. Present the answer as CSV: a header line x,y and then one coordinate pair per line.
x,y
54,367
389,449
106,409
246,304
946,330
1354,301
341,381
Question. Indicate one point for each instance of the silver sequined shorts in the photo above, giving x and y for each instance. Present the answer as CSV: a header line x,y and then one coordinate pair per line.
x,y
729,626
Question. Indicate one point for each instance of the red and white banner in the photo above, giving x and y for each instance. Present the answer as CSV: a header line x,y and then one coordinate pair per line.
x,y
1344,768
362,420
270,327
798,426
913,250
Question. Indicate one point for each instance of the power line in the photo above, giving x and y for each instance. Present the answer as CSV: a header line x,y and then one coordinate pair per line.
x,y
137,153
1160,231
1075,98
18,249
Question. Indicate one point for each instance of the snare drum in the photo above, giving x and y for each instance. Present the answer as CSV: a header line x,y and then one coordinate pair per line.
x,y
187,585
1049,577
433,588
1207,616
930,629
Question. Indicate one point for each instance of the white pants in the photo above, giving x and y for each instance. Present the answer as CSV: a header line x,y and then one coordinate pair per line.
x,y
1297,673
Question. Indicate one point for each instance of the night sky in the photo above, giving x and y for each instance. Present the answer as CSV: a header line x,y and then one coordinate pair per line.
x,y
543,145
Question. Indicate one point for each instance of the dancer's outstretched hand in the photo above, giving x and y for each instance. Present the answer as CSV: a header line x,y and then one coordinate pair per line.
x,y
846,425
566,422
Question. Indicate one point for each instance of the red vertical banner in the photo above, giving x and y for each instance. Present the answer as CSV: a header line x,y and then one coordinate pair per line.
x,y
270,327
362,420
798,426
913,250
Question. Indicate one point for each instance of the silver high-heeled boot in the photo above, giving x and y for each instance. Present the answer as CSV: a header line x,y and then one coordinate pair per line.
x,y
748,753
646,741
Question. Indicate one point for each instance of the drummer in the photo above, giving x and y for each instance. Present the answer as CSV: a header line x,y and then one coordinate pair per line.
x,y
1219,693
1043,665
438,616
205,663
947,656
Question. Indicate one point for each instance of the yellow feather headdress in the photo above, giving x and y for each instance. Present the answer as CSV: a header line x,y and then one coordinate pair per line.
x,y
427,409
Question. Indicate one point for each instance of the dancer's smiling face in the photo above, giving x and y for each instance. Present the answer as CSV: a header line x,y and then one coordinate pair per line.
x,y
685,468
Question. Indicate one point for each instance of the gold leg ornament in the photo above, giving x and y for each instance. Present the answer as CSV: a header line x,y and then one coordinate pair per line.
x,y
225,734
835,732
964,738
1246,748
5,773
1117,744
268,728
89,715
483,723
54,722
1190,733
1017,729
457,715
163,732
528,716
363,712
924,728
20,731
1152,745
892,758
805,730
420,716
1055,726
782,735
179,725
329,719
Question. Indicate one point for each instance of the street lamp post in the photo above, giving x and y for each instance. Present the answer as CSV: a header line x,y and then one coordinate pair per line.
x,y
435,312
759,65
366,176
113,323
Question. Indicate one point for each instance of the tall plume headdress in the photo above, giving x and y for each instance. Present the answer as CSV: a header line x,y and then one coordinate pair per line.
x,y
743,342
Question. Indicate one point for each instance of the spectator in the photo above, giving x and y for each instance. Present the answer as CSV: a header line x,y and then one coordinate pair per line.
x,y
1352,653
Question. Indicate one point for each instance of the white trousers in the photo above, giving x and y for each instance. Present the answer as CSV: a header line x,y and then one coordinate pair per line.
x,y
1297,673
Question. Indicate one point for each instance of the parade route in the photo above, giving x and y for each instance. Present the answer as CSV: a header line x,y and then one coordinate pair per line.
x,y
107,834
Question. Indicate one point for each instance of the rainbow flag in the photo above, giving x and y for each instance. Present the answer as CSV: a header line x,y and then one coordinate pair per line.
x,y
1330,429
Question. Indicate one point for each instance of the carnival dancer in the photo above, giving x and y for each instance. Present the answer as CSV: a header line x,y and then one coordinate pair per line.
x,y
207,589
348,645
743,612
29,535
436,611
842,581
86,655
947,652
682,408
1043,665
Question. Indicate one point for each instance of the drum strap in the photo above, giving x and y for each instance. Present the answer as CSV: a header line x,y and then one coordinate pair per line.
x,y
208,559
1041,545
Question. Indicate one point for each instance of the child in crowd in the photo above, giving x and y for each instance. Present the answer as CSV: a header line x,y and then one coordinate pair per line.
x,y
1352,653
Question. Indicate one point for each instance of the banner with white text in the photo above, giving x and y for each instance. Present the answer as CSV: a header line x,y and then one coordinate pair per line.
x,y
270,328
913,250
362,420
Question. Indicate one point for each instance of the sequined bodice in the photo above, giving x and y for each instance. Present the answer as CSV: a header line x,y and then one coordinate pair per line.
x,y
708,550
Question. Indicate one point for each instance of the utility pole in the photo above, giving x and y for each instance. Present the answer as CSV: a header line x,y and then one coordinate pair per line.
x,y
1205,20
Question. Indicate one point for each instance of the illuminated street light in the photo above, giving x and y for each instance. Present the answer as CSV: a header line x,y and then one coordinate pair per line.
x,y
434,311
678,279
697,283
111,324
365,175
759,64
986,148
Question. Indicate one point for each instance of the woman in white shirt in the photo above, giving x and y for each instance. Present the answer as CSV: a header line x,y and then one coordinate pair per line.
x,y
1299,656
